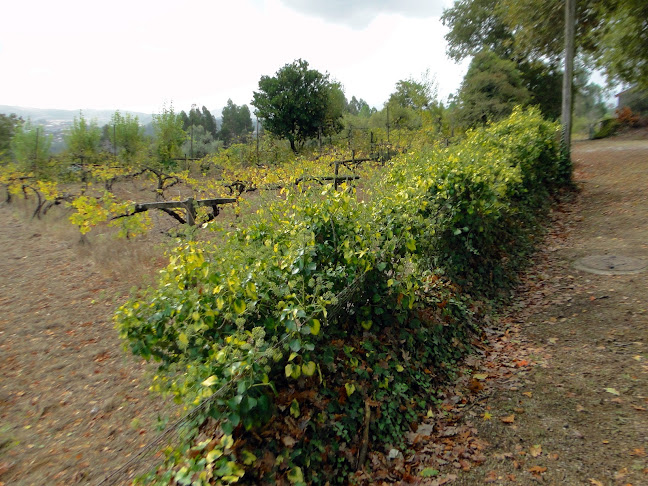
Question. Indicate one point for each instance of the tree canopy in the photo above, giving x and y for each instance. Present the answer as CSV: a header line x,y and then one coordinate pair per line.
x,y
8,125
168,135
126,135
491,88
83,138
236,124
614,33
31,146
298,103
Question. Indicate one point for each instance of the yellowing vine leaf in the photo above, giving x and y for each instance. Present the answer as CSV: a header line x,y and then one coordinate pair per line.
x,y
209,381
308,369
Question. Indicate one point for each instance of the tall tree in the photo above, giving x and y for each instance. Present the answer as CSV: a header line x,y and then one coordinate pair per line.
x,y
491,88
8,125
477,25
200,142
31,146
83,138
209,122
126,135
295,103
236,123
359,107
621,43
613,32
168,135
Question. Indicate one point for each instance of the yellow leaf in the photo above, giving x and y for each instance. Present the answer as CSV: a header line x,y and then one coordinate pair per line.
x,y
209,381
308,369
184,341
535,450
487,416
350,388
239,306
213,455
509,419
295,475
248,458
315,327
227,442
480,376
613,391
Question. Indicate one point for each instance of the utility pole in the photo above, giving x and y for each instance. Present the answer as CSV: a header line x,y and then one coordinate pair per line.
x,y
566,117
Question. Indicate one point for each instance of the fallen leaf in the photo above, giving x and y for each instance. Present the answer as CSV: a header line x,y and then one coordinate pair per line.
x,y
475,386
613,391
595,482
509,419
480,376
537,470
637,358
491,477
639,451
580,408
553,340
487,416
621,473
288,441
535,450
527,394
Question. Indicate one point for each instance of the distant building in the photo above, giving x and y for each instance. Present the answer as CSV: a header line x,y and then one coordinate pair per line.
x,y
635,99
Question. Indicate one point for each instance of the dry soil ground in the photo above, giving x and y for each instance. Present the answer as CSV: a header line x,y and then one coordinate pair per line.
x,y
73,404
559,396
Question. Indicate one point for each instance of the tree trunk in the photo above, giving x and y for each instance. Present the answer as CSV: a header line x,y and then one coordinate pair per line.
x,y
566,118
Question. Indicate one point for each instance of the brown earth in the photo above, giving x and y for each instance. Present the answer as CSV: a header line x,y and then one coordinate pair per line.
x,y
73,404
559,395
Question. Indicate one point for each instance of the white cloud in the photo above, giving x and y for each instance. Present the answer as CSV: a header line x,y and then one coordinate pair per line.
x,y
360,13
139,55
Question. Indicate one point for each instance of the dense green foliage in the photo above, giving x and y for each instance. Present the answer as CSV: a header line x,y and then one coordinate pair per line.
x,y
298,103
236,125
169,136
491,88
8,125
324,304
83,138
30,147
613,32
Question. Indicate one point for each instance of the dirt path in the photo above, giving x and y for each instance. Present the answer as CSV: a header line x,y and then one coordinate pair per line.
x,y
566,395
73,404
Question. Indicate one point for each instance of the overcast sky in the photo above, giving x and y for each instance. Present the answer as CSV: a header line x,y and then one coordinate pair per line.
x,y
142,54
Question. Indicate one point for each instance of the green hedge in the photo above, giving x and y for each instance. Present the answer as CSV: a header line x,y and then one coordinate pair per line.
x,y
254,311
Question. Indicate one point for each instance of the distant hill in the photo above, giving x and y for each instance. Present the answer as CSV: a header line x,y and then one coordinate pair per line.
x,y
56,122
45,116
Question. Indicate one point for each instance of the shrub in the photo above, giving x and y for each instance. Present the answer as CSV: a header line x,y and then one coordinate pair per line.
x,y
323,305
